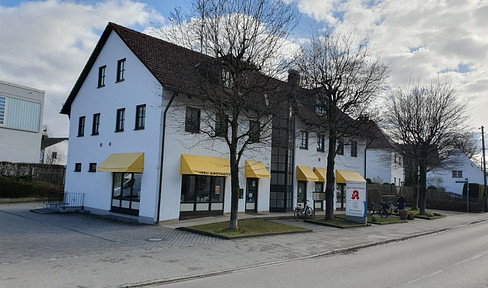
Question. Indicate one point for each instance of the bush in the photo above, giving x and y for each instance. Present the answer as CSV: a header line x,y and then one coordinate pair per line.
x,y
21,187
432,187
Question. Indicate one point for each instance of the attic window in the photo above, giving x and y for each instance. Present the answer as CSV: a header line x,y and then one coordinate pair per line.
x,y
121,70
320,110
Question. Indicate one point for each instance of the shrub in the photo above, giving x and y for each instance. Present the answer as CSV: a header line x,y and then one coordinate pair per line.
x,y
21,187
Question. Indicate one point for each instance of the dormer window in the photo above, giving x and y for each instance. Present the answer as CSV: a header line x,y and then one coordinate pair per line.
x,y
121,70
227,80
320,110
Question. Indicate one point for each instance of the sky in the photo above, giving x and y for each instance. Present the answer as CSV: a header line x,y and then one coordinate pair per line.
x,y
46,44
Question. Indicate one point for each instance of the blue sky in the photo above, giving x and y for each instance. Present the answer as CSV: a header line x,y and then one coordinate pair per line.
x,y
45,44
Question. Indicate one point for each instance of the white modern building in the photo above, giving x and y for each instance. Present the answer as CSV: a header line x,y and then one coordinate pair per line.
x,y
135,146
457,167
20,123
384,163
54,151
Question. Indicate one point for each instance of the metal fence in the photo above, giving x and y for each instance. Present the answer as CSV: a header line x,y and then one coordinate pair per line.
x,y
65,200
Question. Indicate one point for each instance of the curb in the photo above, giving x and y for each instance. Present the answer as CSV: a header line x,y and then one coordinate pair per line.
x,y
274,263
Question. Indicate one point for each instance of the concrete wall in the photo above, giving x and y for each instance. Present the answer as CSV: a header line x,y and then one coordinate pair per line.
x,y
20,132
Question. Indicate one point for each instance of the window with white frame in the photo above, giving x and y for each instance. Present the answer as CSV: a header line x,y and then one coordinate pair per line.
x,y
303,140
457,174
320,142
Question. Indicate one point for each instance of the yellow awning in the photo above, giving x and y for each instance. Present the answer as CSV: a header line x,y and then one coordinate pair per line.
x,y
343,175
321,173
204,165
256,169
305,173
123,162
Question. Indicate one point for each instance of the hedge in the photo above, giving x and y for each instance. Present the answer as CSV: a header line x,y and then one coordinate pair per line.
x,y
21,187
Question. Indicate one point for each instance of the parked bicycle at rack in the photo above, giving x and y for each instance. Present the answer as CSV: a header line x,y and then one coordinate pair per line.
x,y
385,209
303,213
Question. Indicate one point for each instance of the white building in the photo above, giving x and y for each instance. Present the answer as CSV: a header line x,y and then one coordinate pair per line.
x,y
311,151
54,151
20,123
384,163
134,142
458,167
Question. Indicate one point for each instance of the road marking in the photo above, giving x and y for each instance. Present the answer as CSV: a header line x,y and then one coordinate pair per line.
x,y
425,277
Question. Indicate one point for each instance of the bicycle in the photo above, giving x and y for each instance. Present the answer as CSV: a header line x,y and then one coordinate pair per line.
x,y
303,213
385,209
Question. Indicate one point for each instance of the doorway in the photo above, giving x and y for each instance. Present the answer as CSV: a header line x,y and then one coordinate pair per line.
x,y
252,195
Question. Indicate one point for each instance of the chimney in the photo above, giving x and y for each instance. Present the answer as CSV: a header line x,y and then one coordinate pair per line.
x,y
293,78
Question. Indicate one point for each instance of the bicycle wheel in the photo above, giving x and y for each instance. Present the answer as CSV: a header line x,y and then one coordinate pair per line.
x,y
384,213
309,212
296,214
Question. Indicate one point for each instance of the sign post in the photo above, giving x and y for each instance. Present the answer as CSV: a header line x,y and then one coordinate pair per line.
x,y
356,201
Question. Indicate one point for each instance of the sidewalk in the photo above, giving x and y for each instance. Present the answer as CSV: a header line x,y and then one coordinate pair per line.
x,y
70,250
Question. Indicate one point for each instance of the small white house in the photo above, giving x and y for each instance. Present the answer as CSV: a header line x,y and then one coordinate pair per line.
x,y
458,167
54,151
384,163
20,123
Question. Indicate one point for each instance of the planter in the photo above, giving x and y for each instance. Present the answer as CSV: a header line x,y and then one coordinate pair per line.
x,y
403,214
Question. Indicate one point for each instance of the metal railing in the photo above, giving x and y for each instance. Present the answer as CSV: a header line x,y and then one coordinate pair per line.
x,y
66,200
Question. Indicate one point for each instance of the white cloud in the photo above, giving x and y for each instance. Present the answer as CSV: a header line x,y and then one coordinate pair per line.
x,y
421,38
46,44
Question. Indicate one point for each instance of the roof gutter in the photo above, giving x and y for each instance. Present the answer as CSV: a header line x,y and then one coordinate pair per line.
x,y
162,151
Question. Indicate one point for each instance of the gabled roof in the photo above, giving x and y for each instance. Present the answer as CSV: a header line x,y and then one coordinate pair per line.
x,y
171,65
379,139
51,141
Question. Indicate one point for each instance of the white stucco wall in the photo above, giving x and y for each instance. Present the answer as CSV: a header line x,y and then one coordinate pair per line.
x,y
382,167
315,159
179,142
139,87
442,176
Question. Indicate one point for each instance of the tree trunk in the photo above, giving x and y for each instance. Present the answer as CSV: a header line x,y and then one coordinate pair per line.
x,y
330,183
234,183
423,188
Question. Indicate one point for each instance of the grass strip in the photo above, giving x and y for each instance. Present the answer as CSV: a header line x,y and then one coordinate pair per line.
x,y
247,228
429,215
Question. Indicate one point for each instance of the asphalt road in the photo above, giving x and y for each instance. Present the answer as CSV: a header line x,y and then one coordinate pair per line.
x,y
456,258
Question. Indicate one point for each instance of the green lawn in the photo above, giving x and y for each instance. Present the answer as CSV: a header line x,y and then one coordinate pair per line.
x,y
247,228
383,221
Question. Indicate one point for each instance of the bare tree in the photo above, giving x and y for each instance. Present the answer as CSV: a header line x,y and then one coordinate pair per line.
x,y
342,79
53,156
428,120
243,38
